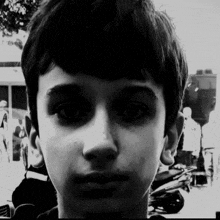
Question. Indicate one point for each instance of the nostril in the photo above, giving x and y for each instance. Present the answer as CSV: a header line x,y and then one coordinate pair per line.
x,y
111,157
90,156
100,154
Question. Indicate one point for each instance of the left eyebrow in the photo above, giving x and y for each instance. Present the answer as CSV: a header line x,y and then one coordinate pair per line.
x,y
137,89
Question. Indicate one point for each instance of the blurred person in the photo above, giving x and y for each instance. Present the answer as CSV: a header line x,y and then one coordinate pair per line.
x,y
4,131
211,148
192,133
18,135
35,189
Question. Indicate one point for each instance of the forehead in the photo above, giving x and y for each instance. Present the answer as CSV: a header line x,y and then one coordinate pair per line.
x,y
58,81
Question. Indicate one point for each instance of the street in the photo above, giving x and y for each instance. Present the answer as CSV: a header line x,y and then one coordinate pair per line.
x,y
201,202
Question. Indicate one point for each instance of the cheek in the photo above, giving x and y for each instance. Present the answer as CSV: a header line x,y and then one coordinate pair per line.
x,y
56,152
141,151
63,159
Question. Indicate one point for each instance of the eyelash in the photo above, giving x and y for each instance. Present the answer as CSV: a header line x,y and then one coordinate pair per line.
x,y
74,113
134,112
126,113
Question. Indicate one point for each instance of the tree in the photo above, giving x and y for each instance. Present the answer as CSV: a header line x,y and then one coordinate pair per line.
x,y
15,14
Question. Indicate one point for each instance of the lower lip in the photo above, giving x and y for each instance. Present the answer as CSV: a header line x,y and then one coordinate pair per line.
x,y
94,191
97,186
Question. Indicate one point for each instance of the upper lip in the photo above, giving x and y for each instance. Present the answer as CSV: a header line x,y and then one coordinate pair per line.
x,y
101,177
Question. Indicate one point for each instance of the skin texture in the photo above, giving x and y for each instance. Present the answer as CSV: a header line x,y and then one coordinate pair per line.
x,y
89,126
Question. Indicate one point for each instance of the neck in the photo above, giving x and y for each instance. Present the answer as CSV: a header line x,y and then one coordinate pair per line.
x,y
139,211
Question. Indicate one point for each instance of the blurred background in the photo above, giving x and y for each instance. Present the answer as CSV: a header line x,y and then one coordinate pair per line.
x,y
197,24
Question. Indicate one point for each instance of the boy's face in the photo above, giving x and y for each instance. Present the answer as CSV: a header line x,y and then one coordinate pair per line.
x,y
101,140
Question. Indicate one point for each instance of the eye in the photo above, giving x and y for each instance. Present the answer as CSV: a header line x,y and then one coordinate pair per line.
x,y
134,112
73,112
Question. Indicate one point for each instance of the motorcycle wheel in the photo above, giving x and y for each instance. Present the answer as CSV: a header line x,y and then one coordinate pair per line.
x,y
175,202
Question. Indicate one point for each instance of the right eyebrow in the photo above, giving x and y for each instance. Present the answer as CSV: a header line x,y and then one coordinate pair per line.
x,y
64,89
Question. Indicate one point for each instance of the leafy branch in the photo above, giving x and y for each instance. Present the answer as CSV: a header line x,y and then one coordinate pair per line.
x,y
15,15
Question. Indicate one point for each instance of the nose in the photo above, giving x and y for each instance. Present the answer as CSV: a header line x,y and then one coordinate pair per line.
x,y
102,145
102,152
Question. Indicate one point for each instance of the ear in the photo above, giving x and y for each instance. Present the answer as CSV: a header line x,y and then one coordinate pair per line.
x,y
171,141
36,156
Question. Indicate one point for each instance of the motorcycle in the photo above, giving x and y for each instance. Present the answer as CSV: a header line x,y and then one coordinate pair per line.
x,y
166,196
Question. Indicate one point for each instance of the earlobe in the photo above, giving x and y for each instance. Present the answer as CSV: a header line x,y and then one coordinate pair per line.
x,y
171,141
36,156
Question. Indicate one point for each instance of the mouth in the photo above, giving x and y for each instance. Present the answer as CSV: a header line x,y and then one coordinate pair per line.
x,y
100,185
101,178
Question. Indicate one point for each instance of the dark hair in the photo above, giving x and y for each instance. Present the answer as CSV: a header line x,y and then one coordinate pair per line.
x,y
109,39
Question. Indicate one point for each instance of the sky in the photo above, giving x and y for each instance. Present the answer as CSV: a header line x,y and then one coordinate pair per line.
x,y
197,25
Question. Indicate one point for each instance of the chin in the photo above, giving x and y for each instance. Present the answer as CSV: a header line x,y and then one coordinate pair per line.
x,y
107,206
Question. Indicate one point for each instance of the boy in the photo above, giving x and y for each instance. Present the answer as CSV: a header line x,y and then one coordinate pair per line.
x,y
105,81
